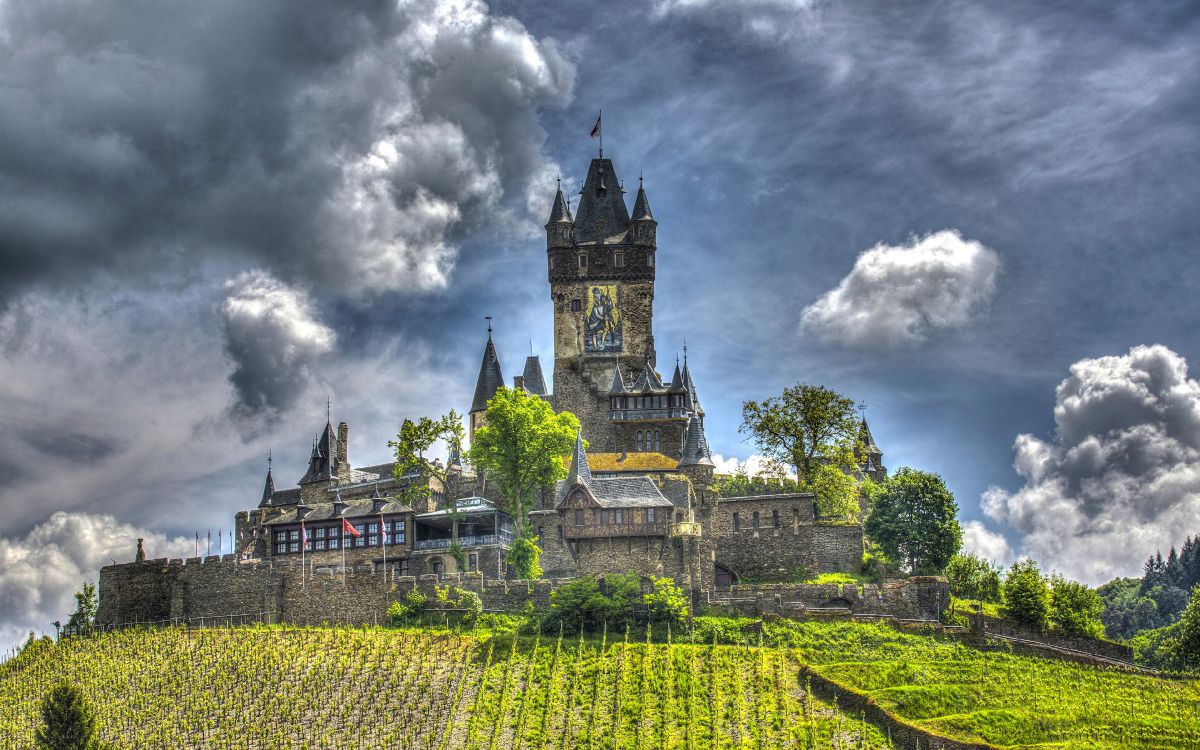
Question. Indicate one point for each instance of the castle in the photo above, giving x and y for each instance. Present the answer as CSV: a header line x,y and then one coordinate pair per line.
x,y
640,499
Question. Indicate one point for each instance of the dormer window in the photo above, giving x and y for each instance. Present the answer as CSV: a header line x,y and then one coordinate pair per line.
x,y
583,262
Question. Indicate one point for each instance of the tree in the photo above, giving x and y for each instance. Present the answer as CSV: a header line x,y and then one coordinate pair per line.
x,y
83,620
589,604
809,425
667,604
914,519
68,721
1186,645
972,577
521,448
1075,608
411,446
1026,595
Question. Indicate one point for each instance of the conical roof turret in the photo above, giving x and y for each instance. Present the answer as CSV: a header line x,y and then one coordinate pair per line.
x,y
602,212
641,205
695,447
560,212
268,486
618,382
580,472
535,382
490,378
676,381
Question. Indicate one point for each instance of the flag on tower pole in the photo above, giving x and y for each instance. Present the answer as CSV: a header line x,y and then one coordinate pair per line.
x,y
597,132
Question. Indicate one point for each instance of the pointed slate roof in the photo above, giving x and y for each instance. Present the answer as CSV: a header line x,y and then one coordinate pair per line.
x,y
690,385
580,472
268,489
648,379
618,382
695,447
535,382
602,212
641,206
560,211
320,461
490,377
865,437
676,381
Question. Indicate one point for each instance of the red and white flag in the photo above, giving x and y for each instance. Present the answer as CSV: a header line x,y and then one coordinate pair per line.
x,y
349,528
596,128
303,536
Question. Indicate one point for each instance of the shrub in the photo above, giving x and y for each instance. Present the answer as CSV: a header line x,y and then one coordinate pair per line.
x,y
667,603
1026,595
1185,646
1075,608
589,603
408,610
972,577
524,556
68,721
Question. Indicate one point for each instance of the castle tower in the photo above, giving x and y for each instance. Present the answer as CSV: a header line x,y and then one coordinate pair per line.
x,y
489,381
869,455
600,265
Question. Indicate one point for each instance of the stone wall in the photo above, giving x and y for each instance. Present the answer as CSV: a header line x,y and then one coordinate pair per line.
x,y
917,598
798,547
649,556
1005,628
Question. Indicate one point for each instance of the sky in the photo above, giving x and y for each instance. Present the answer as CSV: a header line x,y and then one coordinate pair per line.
x,y
977,218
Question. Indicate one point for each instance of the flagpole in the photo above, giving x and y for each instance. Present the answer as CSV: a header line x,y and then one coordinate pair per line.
x,y
600,119
303,570
343,535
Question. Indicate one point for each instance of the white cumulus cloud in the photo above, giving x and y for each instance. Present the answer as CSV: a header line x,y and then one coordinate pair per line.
x,y
41,571
897,295
754,466
274,335
1120,478
985,543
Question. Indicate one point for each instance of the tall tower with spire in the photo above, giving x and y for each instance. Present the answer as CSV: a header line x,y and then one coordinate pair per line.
x,y
601,268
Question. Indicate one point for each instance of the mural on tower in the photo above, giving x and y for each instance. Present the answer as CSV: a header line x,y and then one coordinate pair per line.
x,y
602,321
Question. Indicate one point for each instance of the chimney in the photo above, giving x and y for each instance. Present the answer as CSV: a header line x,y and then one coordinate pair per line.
x,y
343,458
519,382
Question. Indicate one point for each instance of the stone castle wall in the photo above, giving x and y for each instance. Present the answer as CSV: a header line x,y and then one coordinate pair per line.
x,y
918,598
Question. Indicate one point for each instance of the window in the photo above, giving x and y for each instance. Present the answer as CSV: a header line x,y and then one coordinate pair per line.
x,y
402,568
576,305
359,541
281,549
551,262
737,523
334,544
756,519
657,441
473,561
436,565
618,515
649,515
560,532
320,532
604,517
582,262
650,259
320,544
294,547
295,535
639,441
579,517
280,536
775,518
619,259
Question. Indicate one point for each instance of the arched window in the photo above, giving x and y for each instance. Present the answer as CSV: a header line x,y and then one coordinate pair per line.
x,y
657,441
639,441
436,566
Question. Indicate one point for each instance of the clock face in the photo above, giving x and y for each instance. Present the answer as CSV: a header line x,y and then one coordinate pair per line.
x,y
602,319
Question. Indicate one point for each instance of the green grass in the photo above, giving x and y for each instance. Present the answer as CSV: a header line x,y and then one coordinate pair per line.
x,y
967,606
425,688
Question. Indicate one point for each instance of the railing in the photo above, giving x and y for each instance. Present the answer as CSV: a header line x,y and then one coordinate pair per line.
x,y
603,531
479,540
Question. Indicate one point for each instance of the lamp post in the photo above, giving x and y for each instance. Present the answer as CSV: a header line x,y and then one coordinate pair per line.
x,y
57,630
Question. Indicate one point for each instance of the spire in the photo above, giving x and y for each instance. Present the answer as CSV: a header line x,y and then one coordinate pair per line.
x,y
560,211
868,440
690,385
269,486
535,382
618,382
602,212
676,381
580,472
490,378
641,205
695,447
455,457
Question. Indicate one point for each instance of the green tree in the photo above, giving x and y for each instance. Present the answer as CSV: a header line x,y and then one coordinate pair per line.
x,y
1185,646
68,720
1075,608
1026,595
667,603
411,448
806,427
913,518
589,604
837,492
83,620
972,577
521,448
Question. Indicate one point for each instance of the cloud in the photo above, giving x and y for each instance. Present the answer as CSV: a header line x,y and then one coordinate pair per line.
x,y
274,337
903,294
41,571
346,144
989,545
754,466
1121,476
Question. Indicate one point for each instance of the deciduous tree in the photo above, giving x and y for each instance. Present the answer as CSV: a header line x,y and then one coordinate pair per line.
x,y
83,619
914,518
412,446
1026,595
972,577
807,426
1075,608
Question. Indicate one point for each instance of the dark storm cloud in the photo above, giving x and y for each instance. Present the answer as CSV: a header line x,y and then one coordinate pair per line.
x,y
342,142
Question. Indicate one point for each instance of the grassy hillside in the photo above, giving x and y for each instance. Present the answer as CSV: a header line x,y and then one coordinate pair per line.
x,y
326,688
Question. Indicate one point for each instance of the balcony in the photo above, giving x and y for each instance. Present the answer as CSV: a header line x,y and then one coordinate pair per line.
x,y
504,539
608,531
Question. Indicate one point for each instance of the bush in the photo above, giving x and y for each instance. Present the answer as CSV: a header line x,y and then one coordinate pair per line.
x,y
524,556
68,721
667,603
973,577
1075,608
588,604
407,611
1026,595
1185,646
452,597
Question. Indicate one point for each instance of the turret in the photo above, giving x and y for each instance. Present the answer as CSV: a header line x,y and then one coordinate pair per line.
x,y
489,381
268,486
870,457
560,227
643,227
